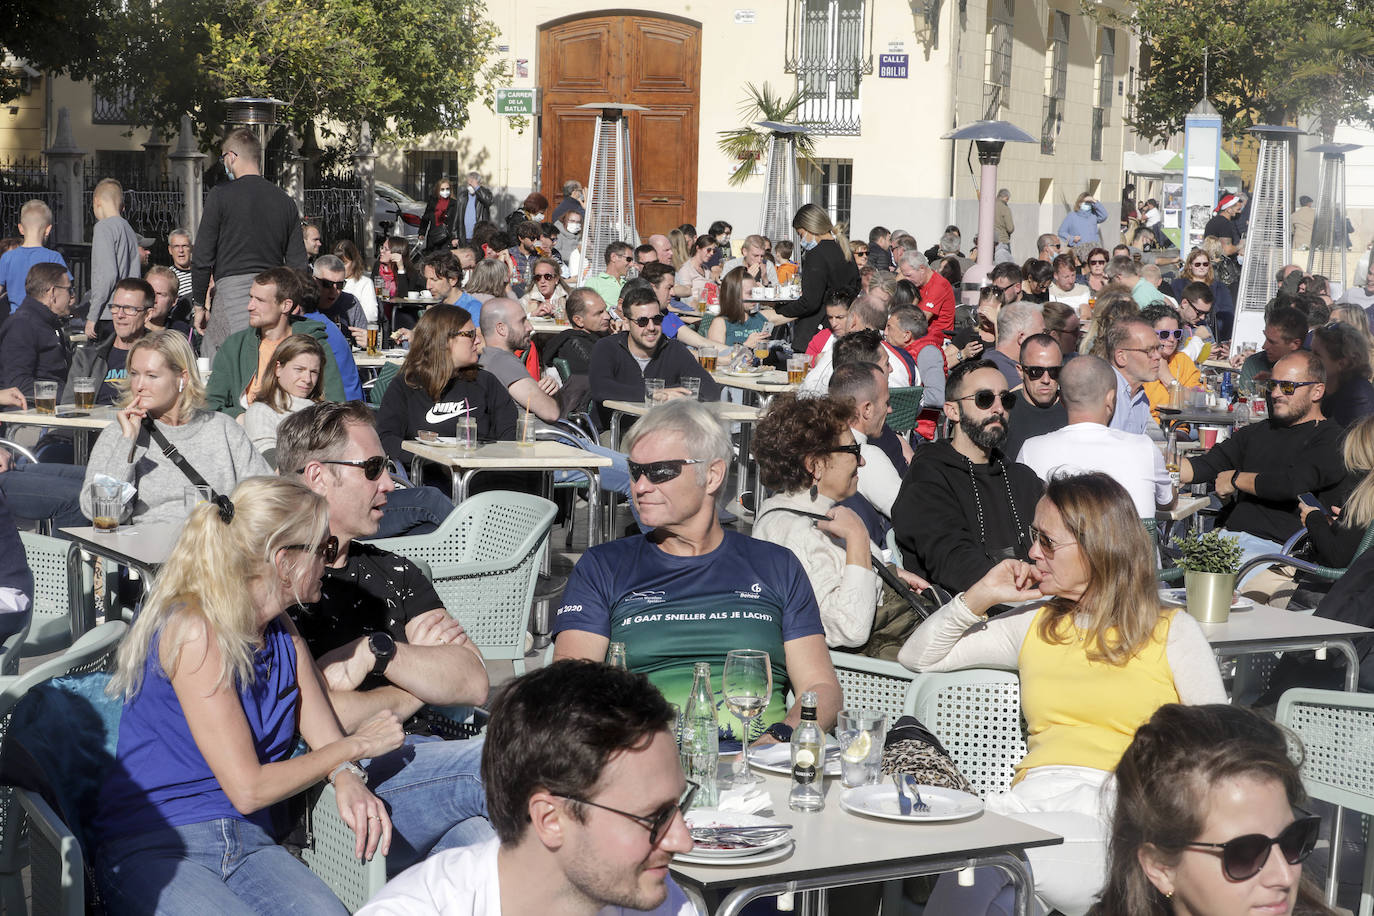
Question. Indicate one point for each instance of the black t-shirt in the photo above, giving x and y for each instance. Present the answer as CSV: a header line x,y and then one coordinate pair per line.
x,y
375,591
1222,228
114,369
1026,421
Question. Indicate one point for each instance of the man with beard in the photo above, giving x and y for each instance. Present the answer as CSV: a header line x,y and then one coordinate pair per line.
x,y
1039,411
586,794
964,506
1260,470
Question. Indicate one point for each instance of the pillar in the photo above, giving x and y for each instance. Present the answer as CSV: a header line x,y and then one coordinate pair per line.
x,y
187,171
65,169
365,163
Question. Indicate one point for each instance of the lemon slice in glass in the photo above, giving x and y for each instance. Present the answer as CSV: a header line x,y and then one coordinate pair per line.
x,y
858,749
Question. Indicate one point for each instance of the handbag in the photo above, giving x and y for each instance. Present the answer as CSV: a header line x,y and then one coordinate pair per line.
x,y
913,749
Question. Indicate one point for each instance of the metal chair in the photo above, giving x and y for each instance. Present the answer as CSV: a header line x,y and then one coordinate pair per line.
x,y
1329,573
873,683
1337,733
484,560
906,408
58,593
976,713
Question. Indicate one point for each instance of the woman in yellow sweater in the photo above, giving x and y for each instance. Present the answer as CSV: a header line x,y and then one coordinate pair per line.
x,y
1097,656
1174,364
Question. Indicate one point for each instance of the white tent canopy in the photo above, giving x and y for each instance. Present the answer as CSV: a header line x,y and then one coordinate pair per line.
x,y
1149,165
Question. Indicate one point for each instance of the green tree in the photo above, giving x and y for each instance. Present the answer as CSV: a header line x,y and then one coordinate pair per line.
x,y
749,143
61,36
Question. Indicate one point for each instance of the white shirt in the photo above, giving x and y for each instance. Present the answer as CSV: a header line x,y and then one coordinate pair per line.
x,y
365,292
878,479
463,882
817,381
1075,298
1130,459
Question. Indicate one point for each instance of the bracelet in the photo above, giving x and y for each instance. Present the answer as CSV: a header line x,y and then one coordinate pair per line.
x,y
350,767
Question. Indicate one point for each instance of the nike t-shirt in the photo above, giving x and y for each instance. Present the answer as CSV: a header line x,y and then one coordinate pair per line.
x,y
672,612
476,393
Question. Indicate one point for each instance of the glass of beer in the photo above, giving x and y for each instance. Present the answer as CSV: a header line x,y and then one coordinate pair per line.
x,y
372,338
796,369
707,356
560,314
106,505
45,396
83,392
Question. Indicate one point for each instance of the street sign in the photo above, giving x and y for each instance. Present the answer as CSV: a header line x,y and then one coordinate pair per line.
x,y
892,66
515,102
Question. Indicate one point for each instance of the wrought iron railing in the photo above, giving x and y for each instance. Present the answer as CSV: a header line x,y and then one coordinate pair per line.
x,y
339,212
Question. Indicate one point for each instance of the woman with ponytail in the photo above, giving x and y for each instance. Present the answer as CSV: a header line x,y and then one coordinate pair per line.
x,y
827,270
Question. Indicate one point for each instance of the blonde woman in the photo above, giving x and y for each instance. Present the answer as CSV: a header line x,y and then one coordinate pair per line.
x,y
294,380
1334,540
682,248
1097,656
1200,267
827,270
165,403
217,684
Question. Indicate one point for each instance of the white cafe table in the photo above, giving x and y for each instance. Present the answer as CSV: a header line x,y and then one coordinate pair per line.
x,y
763,383
835,848
143,547
1271,629
83,423
464,464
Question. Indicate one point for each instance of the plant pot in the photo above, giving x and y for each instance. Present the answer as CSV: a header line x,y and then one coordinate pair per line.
x,y
1210,595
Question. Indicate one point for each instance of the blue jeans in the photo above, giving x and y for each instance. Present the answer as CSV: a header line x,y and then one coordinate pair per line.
x,y
615,478
413,510
433,789
1252,546
228,867
39,491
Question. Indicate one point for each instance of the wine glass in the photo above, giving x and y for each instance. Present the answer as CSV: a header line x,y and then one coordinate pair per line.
x,y
747,686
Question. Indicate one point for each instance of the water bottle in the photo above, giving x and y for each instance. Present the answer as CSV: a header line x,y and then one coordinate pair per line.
x,y
1241,413
1227,389
701,737
615,656
808,760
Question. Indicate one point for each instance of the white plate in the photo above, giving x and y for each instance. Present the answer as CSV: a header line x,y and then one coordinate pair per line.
x,y
777,758
881,801
763,855
747,373
1179,598
714,817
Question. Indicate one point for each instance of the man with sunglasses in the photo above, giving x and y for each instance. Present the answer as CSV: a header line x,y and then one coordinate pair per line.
x,y
1260,470
381,636
104,360
1039,410
964,506
1285,329
1195,303
608,283
1048,247
587,797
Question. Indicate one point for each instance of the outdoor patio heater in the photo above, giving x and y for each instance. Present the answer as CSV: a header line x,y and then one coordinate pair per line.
x,y
256,113
610,206
989,137
780,193
1328,251
1269,242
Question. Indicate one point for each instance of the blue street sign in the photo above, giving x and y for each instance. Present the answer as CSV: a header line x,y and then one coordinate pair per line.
x,y
892,66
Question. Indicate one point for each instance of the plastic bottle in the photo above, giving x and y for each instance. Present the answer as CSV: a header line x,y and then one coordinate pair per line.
x,y
615,656
701,737
808,760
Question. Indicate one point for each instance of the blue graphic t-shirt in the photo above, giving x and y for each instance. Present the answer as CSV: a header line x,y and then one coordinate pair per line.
x,y
115,371
672,612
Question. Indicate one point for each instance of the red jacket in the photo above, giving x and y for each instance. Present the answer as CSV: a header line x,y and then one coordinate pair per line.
x,y
929,416
937,301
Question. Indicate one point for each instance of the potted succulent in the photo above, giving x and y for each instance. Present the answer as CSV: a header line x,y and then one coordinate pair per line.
x,y
1210,562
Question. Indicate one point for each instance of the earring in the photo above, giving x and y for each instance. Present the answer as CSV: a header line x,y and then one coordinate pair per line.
x,y
181,385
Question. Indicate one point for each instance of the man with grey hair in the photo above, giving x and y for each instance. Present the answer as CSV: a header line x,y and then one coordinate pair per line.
x,y
867,313
1123,269
1135,353
179,247
1151,275
1015,322
572,201
1087,388
678,594
934,295
1047,247
340,307
474,206
1003,226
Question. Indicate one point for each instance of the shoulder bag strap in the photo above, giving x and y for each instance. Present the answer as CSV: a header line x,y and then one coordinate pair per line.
x,y
170,451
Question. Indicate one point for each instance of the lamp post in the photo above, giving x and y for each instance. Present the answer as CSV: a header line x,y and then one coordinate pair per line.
x,y
989,137
1327,252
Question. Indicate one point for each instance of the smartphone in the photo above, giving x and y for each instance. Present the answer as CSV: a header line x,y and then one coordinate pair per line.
x,y
1311,500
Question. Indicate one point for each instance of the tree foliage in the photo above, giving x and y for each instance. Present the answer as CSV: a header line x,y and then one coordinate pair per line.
x,y
1262,61
749,143
408,66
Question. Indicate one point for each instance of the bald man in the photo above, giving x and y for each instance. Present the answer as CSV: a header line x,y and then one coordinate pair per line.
x,y
114,255
663,249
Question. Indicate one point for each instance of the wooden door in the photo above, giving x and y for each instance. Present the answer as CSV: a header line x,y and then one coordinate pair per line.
x,y
643,60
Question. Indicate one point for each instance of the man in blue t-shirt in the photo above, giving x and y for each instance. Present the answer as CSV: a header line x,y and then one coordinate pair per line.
x,y
690,591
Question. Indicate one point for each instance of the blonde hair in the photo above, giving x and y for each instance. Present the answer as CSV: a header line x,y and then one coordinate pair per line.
x,y
176,352
817,222
35,214
110,191
681,246
1357,450
205,580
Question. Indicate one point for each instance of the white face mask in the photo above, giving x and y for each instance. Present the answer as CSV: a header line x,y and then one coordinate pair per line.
x,y
537,218
445,193
573,228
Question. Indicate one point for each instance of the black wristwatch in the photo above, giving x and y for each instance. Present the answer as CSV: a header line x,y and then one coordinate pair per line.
x,y
779,730
383,650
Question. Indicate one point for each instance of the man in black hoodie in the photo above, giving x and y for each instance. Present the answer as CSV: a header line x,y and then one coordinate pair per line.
x,y
964,506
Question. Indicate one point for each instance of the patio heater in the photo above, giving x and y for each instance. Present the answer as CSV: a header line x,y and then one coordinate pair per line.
x,y
780,193
1268,243
257,113
989,137
610,207
1327,254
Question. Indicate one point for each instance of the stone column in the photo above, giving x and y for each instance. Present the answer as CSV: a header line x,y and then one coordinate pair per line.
x,y
65,167
187,171
365,162
155,164
292,179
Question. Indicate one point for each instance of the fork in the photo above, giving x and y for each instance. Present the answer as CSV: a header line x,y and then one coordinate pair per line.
x,y
906,788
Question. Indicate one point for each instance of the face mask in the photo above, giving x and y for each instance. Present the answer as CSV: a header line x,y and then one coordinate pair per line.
x,y
807,244
573,228
1086,208
445,193
537,218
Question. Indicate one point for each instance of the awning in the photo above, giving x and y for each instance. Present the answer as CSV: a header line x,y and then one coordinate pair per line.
x,y
1150,165
1227,163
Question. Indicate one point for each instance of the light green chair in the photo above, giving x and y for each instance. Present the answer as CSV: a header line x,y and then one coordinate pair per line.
x,y
58,595
874,683
976,714
906,408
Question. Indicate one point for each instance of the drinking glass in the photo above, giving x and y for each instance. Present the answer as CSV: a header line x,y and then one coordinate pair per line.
x,y
45,396
747,686
193,496
693,386
83,392
796,369
372,338
861,733
466,433
107,505
653,391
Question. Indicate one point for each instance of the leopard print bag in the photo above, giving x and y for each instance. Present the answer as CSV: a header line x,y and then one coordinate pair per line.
x,y
913,749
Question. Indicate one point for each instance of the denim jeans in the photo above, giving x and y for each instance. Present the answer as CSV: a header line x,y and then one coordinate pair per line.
x,y
228,867
413,510
433,789
1252,546
39,491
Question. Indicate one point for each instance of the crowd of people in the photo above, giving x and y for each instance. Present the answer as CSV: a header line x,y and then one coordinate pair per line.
x,y
1012,506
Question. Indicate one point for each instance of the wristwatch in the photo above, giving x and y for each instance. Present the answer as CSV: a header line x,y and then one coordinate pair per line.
x,y
779,730
383,650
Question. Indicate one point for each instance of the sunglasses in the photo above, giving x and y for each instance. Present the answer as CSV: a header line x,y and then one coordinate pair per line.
x,y
986,325
1175,334
1202,264
1243,857
1035,372
1047,547
1098,261
328,550
661,471
657,823
372,467
852,448
543,276
336,284
645,320
126,309
1284,385
470,334
983,398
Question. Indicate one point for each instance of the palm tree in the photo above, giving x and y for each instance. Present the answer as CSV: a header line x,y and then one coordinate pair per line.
x,y
748,144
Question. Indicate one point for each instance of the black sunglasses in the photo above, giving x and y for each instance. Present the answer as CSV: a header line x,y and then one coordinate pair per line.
x,y
1097,261
337,284
1284,385
645,320
657,823
1035,372
372,467
543,276
1243,857
661,471
983,399
852,448
328,549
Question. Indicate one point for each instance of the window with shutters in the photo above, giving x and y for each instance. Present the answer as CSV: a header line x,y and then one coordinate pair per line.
x,y
829,48
1056,79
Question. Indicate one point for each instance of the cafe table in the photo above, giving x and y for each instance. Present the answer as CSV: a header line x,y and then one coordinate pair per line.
x,y
1263,628
142,547
83,423
465,464
835,848
762,383
1194,416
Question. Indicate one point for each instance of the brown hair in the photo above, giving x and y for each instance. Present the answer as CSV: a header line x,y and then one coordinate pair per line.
x,y
270,391
347,252
428,366
792,430
732,307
